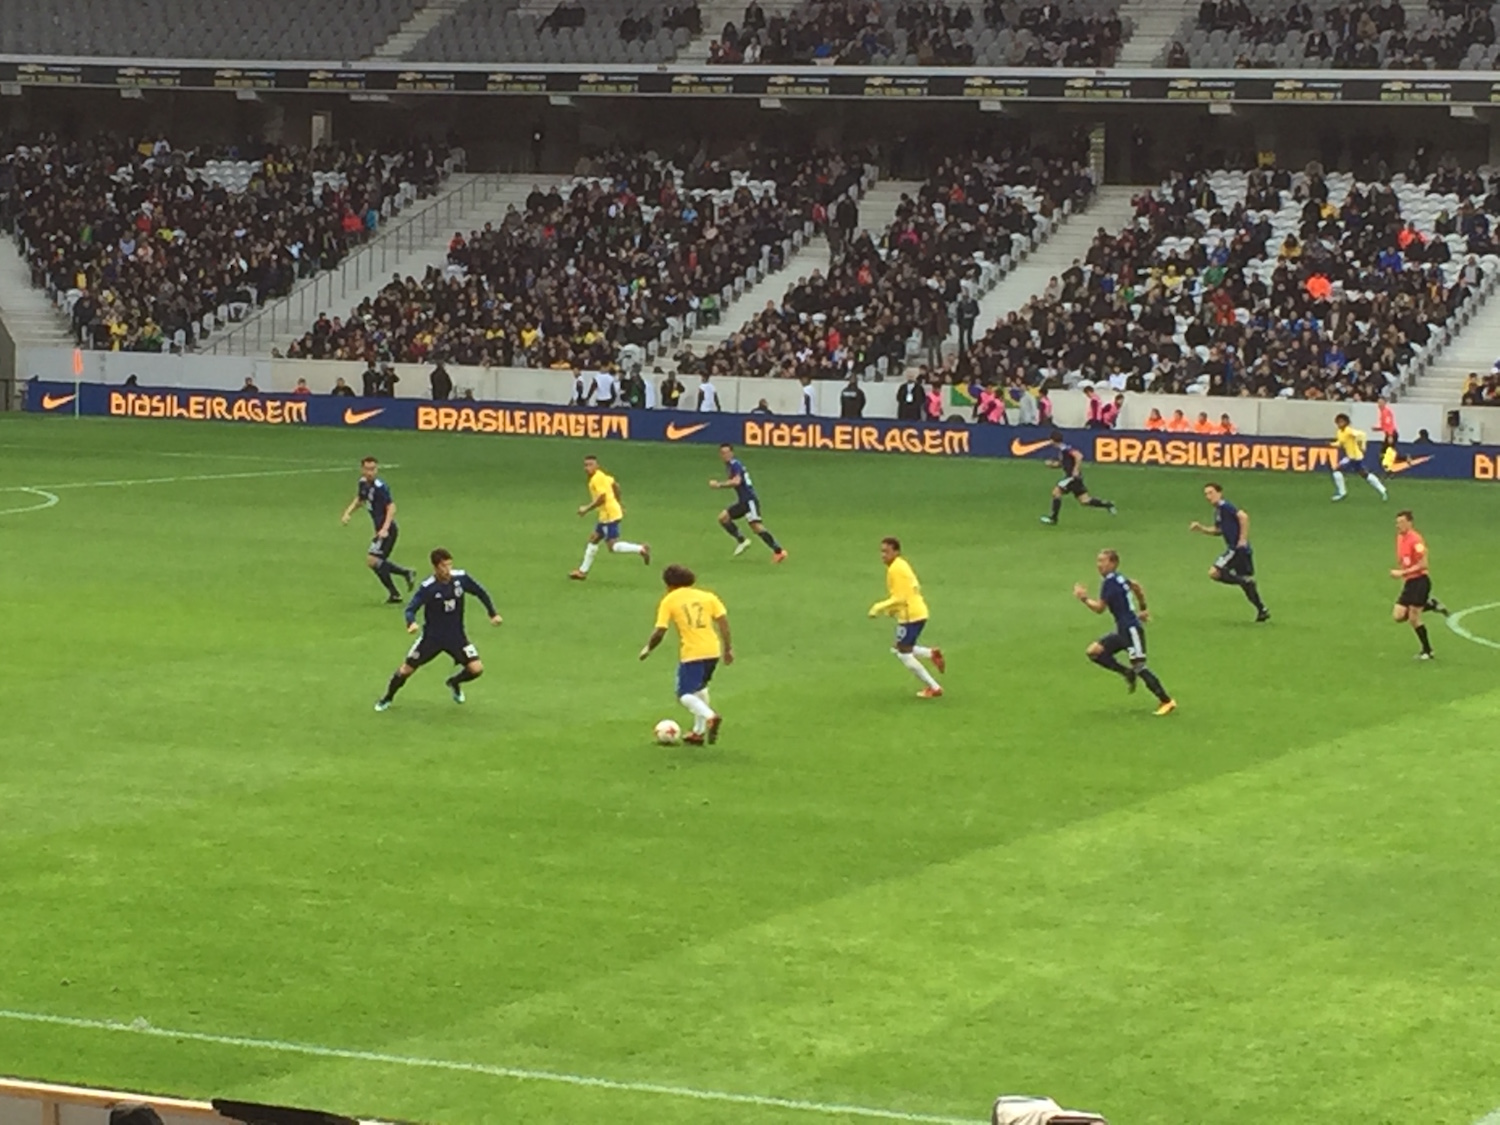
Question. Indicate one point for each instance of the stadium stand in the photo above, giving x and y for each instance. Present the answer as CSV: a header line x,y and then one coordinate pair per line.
x,y
148,248
609,31
927,33
332,30
1448,34
1482,390
611,269
1261,284
882,305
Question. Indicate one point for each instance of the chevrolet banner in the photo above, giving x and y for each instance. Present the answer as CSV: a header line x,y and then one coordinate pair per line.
x,y
953,83
1187,451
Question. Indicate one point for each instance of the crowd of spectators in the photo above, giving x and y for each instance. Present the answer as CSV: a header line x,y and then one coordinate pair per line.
x,y
138,244
637,24
1482,390
1199,293
1357,35
923,33
881,300
584,272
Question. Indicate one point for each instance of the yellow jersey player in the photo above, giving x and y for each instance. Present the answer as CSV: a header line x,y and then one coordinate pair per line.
x,y
906,604
702,625
604,496
1350,444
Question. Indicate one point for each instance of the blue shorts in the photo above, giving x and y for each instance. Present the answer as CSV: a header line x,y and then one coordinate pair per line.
x,y
1236,560
693,675
1351,465
745,509
610,531
1131,640
382,548
907,633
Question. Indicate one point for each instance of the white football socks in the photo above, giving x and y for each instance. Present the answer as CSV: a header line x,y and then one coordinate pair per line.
x,y
1376,483
620,547
922,651
1338,483
917,670
702,712
588,557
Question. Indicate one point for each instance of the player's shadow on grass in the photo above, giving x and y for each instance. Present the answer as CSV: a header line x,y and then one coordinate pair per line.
x,y
684,757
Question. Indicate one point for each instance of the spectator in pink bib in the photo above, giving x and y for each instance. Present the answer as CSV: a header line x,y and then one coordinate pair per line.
x,y
990,405
1096,408
1109,414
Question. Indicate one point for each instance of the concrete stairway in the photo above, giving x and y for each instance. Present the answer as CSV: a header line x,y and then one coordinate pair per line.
x,y
1154,22
876,210
410,33
409,254
813,255
714,14
1475,349
1110,209
30,318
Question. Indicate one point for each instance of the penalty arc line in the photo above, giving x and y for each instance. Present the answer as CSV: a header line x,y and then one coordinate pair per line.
x,y
48,499
191,477
1456,623
198,454
522,1074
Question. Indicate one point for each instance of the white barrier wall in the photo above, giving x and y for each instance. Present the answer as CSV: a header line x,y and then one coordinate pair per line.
x,y
40,1103
1284,417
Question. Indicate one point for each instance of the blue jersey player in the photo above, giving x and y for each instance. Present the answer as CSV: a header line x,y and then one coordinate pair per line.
x,y
376,494
1236,566
441,600
1125,601
746,506
1070,460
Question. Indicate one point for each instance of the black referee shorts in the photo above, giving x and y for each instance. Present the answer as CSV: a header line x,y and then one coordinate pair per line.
x,y
1417,592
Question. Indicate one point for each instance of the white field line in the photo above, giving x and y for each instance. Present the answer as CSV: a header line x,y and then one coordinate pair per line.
x,y
1490,1118
190,477
520,1074
48,499
1456,623
198,454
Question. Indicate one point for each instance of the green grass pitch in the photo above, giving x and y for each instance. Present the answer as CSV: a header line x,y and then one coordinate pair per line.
x,y
1276,905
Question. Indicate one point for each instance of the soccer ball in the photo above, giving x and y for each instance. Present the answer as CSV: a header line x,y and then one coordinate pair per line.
x,y
668,732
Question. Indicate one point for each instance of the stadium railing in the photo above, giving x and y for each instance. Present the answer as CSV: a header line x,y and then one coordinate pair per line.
x,y
389,248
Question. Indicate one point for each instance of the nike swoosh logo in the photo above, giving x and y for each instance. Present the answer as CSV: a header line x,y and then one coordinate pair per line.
x,y
52,402
677,433
1019,448
355,417
1402,466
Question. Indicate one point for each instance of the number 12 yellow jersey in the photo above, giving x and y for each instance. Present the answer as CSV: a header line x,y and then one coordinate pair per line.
x,y
693,612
